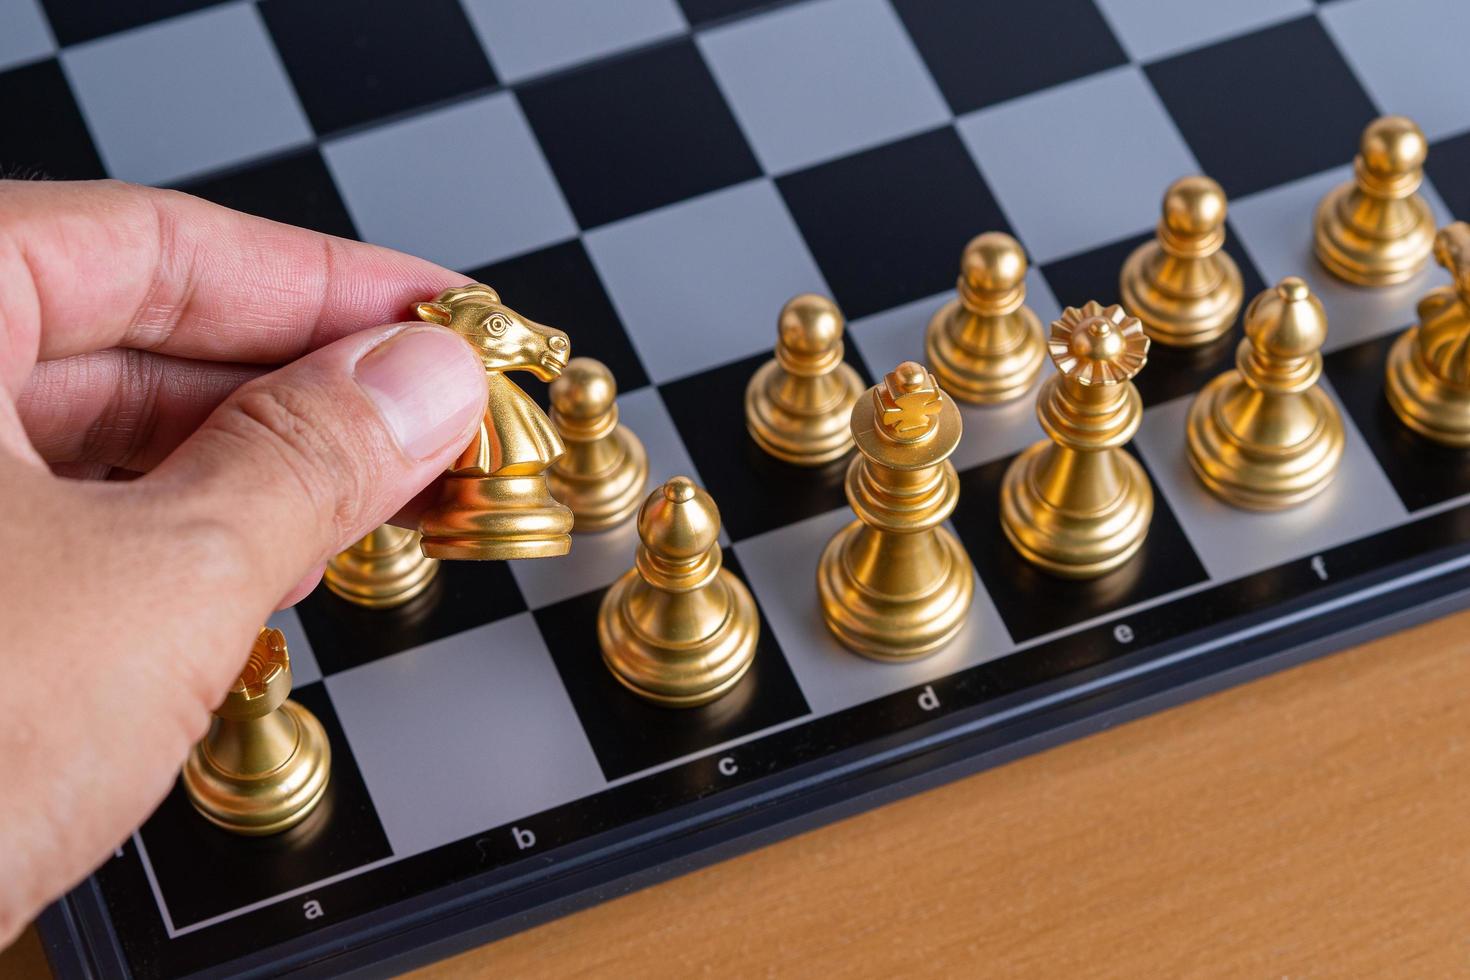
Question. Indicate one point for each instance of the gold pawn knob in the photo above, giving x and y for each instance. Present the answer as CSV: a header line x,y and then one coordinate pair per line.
x,y
263,766
604,474
383,570
797,404
985,345
895,584
1377,229
678,629
1076,504
1428,383
1182,285
1265,436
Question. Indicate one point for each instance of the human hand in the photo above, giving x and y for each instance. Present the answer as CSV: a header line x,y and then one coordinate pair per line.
x,y
142,336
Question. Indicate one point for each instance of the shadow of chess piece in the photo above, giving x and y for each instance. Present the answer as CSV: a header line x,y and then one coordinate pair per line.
x,y
1265,436
384,570
263,766
1075,504
495,502
1182,285
1377,229
1428,371
604,475
895,584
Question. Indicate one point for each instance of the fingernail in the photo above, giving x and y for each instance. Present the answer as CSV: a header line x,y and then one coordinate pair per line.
x,y
426,385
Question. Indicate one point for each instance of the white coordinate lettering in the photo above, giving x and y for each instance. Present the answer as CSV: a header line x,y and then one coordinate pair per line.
x,y
313,909
928,700
523,838
1123,633
1320,567
727,766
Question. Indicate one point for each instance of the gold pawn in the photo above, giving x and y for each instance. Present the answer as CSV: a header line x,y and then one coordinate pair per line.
x,y
678,629
383,570
1265,436
1428,382
797,404
604,475
985,345
1182,285
1376,229
1076,504
264,764
895,584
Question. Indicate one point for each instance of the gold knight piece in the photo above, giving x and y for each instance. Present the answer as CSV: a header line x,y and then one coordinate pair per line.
x,y
1428,381
494,501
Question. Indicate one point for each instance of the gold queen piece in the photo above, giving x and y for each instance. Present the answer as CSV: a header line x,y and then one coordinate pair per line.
x,y
1428,382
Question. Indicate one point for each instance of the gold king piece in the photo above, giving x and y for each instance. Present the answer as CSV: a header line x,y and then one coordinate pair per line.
x,y
1076,504
895,584
383,570
1182,285
604,475
678,629
264,764
986,345
1428,383
797,404
1265,436
494,502
1377,229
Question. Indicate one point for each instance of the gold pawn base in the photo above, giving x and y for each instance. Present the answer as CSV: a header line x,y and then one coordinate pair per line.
x,y
812,439
1176,320
260,803
1363,261
1422,401
892,596
606,499
984,376
382,579
1075,543
488,518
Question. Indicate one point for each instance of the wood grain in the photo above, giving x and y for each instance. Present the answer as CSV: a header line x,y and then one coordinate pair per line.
x,y
1314,823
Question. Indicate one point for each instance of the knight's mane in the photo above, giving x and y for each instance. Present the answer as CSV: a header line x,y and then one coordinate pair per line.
x,y
475,292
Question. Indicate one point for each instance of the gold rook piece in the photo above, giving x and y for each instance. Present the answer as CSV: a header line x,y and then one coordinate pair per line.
x,y
1429,365
986,345
678,629
1076,504
263,766
1265,436
797,404
894,584
1376,229
1184,288
604,474
383,570
494,501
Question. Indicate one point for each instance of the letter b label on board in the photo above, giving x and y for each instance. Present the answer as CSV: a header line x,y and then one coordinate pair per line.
x,y
524,838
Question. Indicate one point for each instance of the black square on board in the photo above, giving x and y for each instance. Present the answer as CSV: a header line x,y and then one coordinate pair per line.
x,y
559,286
1448,166
981,54
463,595
1033,602
754,491
41,129
1265,108
1171,372
704,11
637,133
629,734
204,871
1422,471
887,225
73,21
296,189
354,62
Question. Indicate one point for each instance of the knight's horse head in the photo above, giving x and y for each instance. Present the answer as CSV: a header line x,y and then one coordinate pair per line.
x,y
505,340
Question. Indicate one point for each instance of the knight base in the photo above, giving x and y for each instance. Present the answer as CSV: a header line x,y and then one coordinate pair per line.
x,y
488,518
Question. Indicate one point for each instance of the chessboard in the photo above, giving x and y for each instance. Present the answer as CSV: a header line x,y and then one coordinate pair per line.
x,y
657,179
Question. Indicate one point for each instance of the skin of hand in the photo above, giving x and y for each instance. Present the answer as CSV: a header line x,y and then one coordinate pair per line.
x,y
197,409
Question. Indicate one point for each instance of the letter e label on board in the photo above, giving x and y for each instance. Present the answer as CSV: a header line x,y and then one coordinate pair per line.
x,y
313,909
524,838
928,700
1123,633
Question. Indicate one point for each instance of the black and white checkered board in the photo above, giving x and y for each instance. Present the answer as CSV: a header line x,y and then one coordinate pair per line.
x,y
657,178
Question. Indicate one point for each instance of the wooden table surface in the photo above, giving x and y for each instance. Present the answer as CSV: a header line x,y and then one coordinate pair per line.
x,y
1313,823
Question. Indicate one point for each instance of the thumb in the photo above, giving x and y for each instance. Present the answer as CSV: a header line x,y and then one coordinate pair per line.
x,y
304,460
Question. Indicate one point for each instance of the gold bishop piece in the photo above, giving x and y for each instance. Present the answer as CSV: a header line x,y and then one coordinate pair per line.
x,y
1377,229
1428,381
383,570
264,764
678,629
1265,436
895,584
1184,288
1075,504
494,502
604,475
797,404
985,345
